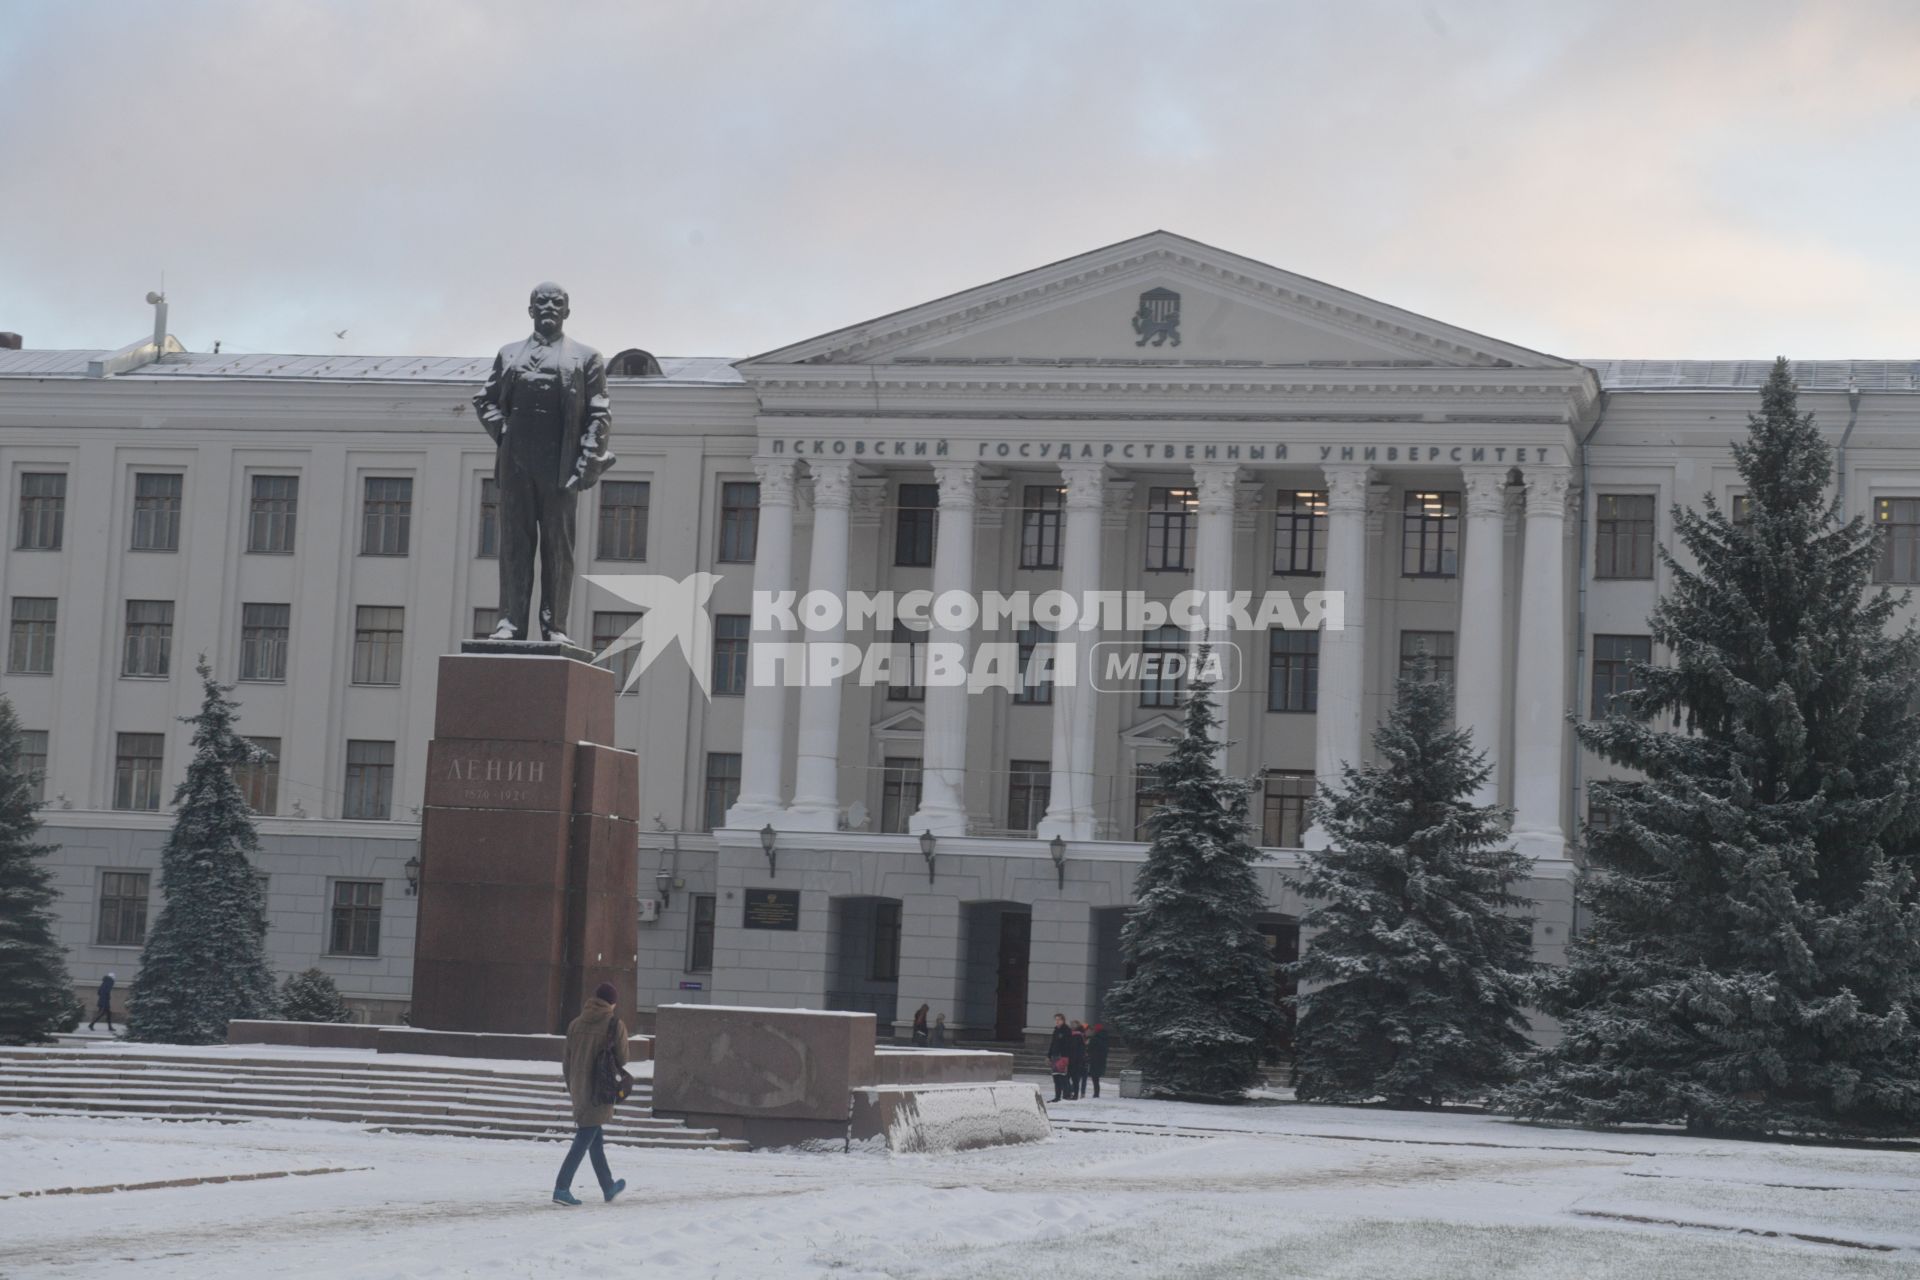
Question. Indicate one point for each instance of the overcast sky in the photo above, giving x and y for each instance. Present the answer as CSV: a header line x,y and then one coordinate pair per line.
x,y
1673,179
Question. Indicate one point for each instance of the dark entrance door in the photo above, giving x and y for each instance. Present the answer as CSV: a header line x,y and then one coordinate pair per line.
x,y
1010,988
1283,947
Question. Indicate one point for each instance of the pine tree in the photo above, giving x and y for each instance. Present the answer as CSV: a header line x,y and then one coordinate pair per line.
x,y
1200,1005
1419,961
36,995
1751,954
312,996
205,959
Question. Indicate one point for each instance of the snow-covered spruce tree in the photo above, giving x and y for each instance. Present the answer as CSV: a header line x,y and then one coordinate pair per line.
x,y
1200,1005
1419,962
1750,958
312,996
36,996
205,960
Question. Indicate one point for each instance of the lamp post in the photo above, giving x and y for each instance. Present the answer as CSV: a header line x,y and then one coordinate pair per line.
x,y
766,847
413,875
1058,848
663,881
926,851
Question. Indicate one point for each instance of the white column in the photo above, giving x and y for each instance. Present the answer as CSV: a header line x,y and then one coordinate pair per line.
x,y
1070,811
1480,663
816,779
943,758
1338,726
763,729
1214,490
1540,670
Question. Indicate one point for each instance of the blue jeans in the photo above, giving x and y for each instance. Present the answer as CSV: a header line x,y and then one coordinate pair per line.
x,y
586,1141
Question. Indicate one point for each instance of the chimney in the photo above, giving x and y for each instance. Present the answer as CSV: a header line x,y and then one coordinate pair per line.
x,y
9,342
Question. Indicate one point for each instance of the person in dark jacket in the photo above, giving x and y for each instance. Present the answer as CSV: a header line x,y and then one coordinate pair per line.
x,y
920,1025
938,1037
1077,1060
589,1036
1097,1055
1057,1061
103,1003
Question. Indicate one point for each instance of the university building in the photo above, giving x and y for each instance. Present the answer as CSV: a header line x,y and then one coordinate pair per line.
x,y
1157,416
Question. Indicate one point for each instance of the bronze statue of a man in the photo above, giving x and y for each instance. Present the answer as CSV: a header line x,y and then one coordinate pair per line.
x,y
545,405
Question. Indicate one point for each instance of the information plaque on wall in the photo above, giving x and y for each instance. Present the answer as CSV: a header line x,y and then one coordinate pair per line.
x,y
771,909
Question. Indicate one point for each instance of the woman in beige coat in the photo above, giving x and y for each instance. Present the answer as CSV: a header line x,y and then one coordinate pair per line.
x,y
587,1037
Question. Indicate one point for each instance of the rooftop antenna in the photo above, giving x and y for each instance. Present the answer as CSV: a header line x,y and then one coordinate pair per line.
x,y
159,302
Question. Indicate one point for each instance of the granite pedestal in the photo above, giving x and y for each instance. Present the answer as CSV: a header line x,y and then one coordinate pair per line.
x,y
528,847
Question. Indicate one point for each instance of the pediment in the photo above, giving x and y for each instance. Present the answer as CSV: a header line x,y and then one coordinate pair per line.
x,y
1114,306
1157,731
909,721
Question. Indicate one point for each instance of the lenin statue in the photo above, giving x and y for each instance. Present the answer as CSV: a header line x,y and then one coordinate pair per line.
x,y
545,405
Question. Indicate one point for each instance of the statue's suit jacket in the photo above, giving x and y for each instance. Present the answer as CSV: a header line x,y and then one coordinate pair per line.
x,y
587,417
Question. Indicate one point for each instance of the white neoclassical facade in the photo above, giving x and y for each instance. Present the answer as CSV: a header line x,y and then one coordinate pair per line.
x,y
1148,419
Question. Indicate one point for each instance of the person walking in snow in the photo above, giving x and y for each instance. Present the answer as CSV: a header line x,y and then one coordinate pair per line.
x,y
1097,1055
590,1036
1077,1060
938,1036
103,1003
1057,1055
920,1026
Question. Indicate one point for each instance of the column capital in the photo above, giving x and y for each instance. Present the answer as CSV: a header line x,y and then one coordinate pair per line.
x,y
1117,506
1547,490
1347,486
776,476
1486,490
869,502
990,502
957,480
1086,483
1246,504
1213,484
1377,495
832,483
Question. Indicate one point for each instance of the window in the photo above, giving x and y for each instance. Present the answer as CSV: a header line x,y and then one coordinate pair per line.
x,y
1623,536
1170,528
1613,658
1293,670
700,941
484,621
1284,803
379,642
906,664
30,647
260,779
899,793
263,641
123,909
33,762
1036,687
386,520
149,649
43,509
918,510
1600,817
356,918
886,941
623,519
1157,687
489,548
730,639
369,780
1898,522
271,513
156,510
1430,535
1742,508
1438,647
607,628
136,771
1040,518
1300,532
1029,788
739,521
1147,797
723,787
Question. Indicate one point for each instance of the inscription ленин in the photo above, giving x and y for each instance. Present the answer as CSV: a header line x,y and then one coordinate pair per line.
x,y
474,769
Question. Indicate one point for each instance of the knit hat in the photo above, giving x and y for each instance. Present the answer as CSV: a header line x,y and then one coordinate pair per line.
x,y
606,992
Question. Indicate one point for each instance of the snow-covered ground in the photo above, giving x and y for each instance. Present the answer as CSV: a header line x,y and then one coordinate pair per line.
x,y
1125,1188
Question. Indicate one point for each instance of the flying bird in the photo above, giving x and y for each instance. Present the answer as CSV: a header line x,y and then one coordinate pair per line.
x,y
339,333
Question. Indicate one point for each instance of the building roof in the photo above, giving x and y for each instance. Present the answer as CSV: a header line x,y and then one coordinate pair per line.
x,y
1749,375
34,363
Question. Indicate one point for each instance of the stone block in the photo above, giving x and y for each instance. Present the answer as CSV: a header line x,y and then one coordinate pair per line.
x,y
766,1064
959,1117
536,699
499,773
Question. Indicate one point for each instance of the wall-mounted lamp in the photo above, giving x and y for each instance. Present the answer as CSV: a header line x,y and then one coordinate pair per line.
x,y
413,875
766,846
926,851
1058,848
663,881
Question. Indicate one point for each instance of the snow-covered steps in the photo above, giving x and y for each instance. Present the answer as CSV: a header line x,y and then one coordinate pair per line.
x,y
458,1099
